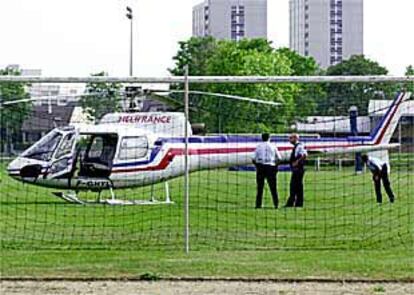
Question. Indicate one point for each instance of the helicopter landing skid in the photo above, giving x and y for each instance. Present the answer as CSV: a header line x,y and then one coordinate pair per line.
x,y
136,202
71,197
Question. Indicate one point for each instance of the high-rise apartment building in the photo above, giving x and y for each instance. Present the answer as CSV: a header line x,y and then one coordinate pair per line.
x,y
328,30
230,19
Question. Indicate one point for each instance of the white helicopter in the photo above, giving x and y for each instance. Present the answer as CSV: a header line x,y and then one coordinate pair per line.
x,y
127,150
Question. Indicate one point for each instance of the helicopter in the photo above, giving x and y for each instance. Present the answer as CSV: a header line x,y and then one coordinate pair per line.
x,y
130,150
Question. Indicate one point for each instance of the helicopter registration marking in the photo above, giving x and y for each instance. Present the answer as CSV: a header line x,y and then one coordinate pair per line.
x,y
93,183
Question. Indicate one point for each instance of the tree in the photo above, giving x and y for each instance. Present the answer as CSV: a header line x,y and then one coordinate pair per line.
x,y
341,96
240,59
310,94
195,53
101,98
209,57
12,116
301,65
410,85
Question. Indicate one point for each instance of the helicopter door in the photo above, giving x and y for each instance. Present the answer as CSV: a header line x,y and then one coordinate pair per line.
x,y
63,161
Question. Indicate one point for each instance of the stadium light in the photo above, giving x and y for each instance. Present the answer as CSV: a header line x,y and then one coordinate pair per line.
x,y
130,16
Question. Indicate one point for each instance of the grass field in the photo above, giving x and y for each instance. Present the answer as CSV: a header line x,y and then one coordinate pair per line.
x,y
392,264
341,232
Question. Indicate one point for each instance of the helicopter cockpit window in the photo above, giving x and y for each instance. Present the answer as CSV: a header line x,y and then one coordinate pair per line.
x,y
133,148
65,147
43,150
101,149
96,148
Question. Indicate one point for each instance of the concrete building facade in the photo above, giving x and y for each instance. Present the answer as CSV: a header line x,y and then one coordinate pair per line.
x,y
230,19
328,30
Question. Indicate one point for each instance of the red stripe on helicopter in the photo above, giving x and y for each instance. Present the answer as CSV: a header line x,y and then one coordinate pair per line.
x,y
172,153
385,127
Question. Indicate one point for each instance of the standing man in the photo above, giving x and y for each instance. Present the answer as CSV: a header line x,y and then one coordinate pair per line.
x,y
297,165
265,159
379,171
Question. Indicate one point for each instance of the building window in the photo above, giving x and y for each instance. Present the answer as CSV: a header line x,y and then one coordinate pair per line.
x,y
336,23
336,41
336,49
336,31
335,59
237,22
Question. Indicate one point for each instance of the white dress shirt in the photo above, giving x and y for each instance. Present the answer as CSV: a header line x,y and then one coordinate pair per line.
x,y
374,164
266,154
300,151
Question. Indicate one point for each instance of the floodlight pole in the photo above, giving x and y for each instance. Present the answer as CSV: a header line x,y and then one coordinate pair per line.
x,y
130,16
186,168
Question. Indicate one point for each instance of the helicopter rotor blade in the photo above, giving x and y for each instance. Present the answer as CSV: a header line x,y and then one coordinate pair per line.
x,y
235,97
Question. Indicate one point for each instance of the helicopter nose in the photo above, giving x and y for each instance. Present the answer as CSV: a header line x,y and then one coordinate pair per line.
x,y
20,169
13,169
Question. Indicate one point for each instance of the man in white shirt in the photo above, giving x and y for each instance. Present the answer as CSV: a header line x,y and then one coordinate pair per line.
x,y
297,165
379,171
265,159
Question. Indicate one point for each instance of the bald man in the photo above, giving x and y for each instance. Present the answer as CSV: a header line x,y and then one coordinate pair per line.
x,y
297,165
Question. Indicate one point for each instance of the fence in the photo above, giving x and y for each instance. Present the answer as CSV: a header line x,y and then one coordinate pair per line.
x,y
100,184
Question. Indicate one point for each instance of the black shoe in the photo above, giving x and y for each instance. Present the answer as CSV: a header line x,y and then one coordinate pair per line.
x,y
392,200
257,207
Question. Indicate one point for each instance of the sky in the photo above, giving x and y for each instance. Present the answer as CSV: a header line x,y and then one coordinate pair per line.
x,y
80,37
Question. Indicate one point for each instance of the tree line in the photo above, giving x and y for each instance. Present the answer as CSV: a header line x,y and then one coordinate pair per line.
x,y
210,57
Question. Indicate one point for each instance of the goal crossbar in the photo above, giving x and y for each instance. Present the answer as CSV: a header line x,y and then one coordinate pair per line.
x,y
212,79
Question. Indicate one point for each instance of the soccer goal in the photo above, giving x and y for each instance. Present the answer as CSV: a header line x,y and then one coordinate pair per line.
x,y
118,163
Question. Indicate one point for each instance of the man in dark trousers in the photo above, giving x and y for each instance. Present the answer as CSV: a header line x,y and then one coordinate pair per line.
x,y
379,171
265,159
297,165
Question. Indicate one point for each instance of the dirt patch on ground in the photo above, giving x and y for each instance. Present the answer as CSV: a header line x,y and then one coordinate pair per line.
x,y
207,287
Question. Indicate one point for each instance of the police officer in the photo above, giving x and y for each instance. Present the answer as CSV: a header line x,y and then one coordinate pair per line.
x,y
379,171
265,159
297,165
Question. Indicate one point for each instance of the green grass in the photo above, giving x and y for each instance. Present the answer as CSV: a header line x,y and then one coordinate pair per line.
x,y
340,213
341,232
341,265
